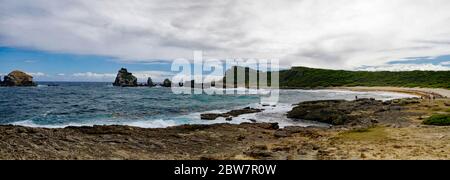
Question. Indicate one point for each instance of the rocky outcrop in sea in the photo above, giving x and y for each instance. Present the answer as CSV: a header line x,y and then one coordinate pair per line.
x,y
18,78
150,82
167,83
125,79
229,115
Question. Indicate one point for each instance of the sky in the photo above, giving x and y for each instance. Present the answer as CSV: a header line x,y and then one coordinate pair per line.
x,y
85,40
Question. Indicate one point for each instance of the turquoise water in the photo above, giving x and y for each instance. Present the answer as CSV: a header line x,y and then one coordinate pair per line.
x,y
85,103
78,104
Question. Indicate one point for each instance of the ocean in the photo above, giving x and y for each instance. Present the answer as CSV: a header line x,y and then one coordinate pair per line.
x,y
88,104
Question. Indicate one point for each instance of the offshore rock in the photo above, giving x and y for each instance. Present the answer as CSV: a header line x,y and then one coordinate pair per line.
x,y
18,78
167,83
125,79
229,115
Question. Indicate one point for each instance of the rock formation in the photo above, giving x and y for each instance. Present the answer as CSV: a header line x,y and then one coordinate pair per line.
x,y
18,78
167,83
150,82
125,79
229,115
341,112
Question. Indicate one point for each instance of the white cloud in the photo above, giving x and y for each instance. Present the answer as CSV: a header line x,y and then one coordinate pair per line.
x,y
407,67
91,75
142,76
61,74
445,63
157,76
37,74
319,33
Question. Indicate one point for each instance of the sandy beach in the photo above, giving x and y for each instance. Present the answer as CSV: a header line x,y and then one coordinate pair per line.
x,y
416,91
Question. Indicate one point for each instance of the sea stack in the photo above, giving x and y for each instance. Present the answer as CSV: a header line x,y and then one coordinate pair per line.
x,y
18,78
167,83
150,82
125,79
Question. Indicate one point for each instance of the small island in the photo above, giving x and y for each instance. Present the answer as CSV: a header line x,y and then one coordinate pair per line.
x,y
18,78
127,79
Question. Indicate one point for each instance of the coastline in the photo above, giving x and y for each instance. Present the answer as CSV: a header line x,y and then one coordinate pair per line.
x,y
423,92
408,139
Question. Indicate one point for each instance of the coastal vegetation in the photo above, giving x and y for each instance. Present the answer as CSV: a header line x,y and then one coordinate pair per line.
x,y
306,78
303,77
438,120
374,133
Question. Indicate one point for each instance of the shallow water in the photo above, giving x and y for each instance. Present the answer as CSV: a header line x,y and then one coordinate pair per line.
x,y
86,104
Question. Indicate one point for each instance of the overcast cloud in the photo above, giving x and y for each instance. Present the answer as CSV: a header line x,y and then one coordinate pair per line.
x,y
344,34
157,76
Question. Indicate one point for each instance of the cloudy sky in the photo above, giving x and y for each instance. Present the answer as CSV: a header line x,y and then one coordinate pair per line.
x,y
90,40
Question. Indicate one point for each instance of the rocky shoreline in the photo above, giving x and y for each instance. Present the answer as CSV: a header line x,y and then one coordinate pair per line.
x,y
230,115
366,129
365,112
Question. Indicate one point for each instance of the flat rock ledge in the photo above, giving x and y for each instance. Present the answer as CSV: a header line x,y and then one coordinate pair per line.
x,y
358,112
229,115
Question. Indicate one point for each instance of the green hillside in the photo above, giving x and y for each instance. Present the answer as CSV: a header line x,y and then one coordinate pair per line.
x,y
303,77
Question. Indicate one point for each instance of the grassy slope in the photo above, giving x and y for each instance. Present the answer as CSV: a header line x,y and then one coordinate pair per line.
x,y
438,120
301,77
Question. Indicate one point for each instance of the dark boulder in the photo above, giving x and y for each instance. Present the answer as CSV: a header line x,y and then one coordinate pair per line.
x,y
229,115
18,78
210,116
150,82
167,83
125,79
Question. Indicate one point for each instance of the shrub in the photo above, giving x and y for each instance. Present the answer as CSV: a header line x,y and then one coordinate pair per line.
x,y
438,120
